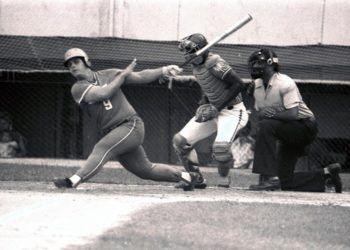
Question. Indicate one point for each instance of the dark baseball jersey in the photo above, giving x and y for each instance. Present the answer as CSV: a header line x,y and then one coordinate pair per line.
x,y
210,77
109,112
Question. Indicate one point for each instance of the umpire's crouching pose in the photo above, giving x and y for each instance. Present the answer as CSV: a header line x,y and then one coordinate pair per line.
x,y
121,128
286,126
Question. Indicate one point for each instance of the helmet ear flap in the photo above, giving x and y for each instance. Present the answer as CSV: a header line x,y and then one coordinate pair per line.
x,y
87,62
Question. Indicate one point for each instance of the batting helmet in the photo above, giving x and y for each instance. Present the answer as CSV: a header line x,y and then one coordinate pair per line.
x,y
76,52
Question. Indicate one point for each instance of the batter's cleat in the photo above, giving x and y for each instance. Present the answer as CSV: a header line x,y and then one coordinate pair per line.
x,y
63,183
200,184
224,182
334,170
189,185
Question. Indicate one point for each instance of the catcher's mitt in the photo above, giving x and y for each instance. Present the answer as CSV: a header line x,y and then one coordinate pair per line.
x,y
206,112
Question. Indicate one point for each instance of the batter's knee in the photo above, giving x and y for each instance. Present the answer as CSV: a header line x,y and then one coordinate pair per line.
x,y
146,173
223,155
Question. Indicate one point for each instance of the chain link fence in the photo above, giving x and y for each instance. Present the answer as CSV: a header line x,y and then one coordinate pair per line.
x,y
35,90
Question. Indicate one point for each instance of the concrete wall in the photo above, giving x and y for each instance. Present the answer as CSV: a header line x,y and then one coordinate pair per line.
x,y
287,22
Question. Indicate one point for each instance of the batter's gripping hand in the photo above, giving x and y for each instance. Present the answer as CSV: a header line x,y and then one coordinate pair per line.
x,y
206,112
168,72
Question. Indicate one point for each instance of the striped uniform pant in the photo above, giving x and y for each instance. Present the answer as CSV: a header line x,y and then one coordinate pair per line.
x,y
124,143
226,125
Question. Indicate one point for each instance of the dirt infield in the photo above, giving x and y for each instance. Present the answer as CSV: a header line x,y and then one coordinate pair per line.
x,y
39,169
117,210
35,215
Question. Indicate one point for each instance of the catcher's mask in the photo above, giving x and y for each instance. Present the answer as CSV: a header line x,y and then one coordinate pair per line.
x,y
259,60
76,52
191,44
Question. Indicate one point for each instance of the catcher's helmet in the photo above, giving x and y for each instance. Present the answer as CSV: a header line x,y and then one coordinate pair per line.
x,y
191,44
76,52
262,56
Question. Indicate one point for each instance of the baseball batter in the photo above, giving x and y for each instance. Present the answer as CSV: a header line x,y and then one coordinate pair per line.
x,y
99,94
221,110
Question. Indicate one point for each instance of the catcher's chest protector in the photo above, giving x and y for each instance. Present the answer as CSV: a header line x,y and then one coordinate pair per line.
x,y
213,87
209,77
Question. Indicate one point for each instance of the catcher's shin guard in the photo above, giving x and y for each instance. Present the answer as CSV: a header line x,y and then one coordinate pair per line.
x,y
224,168
223,155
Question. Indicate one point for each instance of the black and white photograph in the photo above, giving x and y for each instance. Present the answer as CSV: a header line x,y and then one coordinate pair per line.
x,y
174,124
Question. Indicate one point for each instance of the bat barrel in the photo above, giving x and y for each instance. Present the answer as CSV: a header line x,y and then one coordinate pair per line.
x,y
231,30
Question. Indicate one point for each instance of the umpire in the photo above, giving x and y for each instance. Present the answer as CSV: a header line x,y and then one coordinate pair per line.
x,y
286,126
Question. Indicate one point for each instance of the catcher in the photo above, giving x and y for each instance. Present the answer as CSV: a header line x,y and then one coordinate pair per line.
x,y
121,129
221,110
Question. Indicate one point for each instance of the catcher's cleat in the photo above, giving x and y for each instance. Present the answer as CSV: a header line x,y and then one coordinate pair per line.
x,y
334,178
224,182
63,183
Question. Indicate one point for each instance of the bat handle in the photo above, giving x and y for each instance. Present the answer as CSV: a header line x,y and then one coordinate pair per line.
x,y
170,83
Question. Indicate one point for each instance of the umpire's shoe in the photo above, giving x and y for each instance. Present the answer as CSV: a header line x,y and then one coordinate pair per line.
x,y
63,183
333,177
266,184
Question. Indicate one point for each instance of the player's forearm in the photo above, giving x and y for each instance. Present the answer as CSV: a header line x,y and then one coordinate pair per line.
x,y
108,90
234,92
117,81
145,76
287,114
99,93
185,78
279,113
235,84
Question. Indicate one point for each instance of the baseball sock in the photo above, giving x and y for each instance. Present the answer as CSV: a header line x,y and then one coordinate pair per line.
x,y
186,176
75,179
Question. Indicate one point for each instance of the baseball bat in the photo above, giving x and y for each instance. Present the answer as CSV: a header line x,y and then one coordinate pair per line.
x,y
227,33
